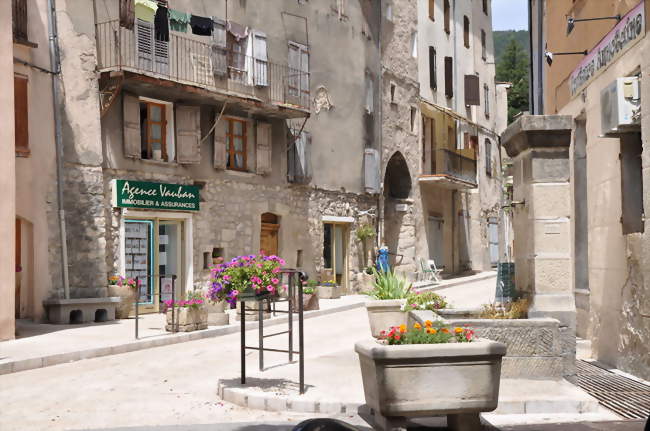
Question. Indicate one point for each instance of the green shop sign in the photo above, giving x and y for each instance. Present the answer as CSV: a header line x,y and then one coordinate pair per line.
x,y
156,196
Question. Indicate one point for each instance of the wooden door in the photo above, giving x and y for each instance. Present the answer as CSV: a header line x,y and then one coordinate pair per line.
x,y
269,234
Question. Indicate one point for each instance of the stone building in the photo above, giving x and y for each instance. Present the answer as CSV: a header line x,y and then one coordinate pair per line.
x,y
440,146
601,92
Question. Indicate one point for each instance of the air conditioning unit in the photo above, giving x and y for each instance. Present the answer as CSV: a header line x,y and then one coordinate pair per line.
x,y
620,106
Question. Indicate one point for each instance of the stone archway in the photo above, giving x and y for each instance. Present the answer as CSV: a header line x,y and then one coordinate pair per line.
x,y
399,223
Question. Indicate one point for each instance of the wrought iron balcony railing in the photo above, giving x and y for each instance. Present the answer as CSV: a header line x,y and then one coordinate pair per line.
x,y
193,62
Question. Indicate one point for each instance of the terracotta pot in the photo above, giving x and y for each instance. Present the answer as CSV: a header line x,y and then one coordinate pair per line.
x,y
128,296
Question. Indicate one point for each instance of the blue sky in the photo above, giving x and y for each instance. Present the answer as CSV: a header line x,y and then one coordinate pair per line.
x,y
509,14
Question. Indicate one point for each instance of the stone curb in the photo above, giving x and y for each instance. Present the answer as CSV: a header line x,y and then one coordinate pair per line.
x,y
162,340
271,402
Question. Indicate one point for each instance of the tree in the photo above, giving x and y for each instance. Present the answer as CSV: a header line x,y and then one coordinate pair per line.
x,y
513,67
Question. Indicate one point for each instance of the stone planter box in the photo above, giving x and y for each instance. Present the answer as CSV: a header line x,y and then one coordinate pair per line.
x,y
188,319
217,315
309,302
128,295
383,314
328,292
422,380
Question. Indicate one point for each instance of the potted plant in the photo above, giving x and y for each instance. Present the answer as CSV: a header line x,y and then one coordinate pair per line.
x,y
249,277
364,233
387,309
309,296
398,370
328,290
189,314
127,290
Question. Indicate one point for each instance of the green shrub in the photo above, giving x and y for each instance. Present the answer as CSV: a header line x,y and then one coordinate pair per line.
x,y
388,285
419,300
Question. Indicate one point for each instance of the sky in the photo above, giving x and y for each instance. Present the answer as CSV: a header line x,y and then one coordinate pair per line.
x,y
509,14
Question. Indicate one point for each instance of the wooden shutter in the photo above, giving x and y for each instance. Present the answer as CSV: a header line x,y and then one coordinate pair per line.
x,y
260,68
219,48
21,117
220,159
188,134
466,31
263,145
305,159
472,92
433,76
294,69
449,77
131,126
161,56
144,36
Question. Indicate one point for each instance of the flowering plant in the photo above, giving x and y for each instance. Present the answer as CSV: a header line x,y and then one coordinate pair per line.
x,y
431,333
118,280
195,300
419,300
250,273
328,283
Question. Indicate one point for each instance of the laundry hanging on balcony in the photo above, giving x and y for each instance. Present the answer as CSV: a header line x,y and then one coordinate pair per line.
x,y
161,24
237,30
178,21
127,14
201,25
145,10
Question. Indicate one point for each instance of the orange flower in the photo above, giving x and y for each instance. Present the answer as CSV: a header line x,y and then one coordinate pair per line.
x,y
402,328
428,323
445,330
417,326
431,331
458,330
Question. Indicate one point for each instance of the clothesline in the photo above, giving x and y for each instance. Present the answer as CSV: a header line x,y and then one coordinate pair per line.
x,y
163,18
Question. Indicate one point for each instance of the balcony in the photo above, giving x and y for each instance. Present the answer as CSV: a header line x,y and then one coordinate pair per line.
x,y
451,170
207,71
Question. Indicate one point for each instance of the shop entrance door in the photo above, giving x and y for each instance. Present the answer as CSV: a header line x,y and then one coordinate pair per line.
x,y
335,252
170,258
153,252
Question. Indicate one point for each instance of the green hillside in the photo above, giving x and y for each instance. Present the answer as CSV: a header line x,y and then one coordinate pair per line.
x,y
501,39
512,58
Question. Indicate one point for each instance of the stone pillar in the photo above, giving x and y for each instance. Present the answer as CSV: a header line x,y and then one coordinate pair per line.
x,y
539,146
7,179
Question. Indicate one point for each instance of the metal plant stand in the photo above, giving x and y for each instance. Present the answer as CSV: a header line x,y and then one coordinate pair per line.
x,y
294,283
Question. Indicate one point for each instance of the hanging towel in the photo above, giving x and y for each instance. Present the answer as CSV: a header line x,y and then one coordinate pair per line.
x,y
161,24
201,25
178,20
237,30
127,14
145,10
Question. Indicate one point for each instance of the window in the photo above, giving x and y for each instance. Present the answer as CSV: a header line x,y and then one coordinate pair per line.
x,y
153,131
299,158
472,90
370,94
432,6
236,144
237,57
433,73
488,158
414,44
485,7
451,138
414,115
632,212
19,12
392,92
298,82
486,96
449,77
447,16
466,31
21,119
483,45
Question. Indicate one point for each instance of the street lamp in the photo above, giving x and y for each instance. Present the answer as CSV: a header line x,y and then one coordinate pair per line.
x,y
549,55
571,21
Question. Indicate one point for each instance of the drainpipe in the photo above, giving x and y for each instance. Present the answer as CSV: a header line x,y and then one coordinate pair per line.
x,y
55,66
455,71
380,206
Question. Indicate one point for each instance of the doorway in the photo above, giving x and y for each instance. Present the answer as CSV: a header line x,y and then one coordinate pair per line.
x,y
153,252
270,228
335,252
436,238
